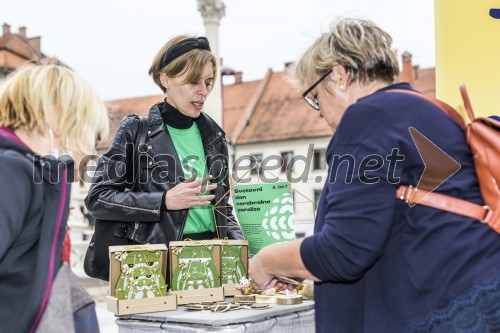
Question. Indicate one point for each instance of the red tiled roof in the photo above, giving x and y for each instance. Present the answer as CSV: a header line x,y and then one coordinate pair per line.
x,y
138,105
425,82
118,109
19,46
11,60
282,114
236,98
261,111
16,51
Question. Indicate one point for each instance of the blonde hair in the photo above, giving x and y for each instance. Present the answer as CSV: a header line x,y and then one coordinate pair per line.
x,y
193,62
37,98
358,45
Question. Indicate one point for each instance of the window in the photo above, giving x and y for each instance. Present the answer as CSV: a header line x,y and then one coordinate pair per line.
x,y
255,161
286,157
317,195
319,161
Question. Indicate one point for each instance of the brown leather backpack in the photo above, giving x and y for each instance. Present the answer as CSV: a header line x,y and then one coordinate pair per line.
x,y
483,137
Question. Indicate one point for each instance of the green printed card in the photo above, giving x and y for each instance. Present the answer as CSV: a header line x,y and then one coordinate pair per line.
x,y
265,213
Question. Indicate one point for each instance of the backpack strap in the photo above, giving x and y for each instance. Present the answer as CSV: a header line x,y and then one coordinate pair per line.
x,y
412,195
467,104
140,140
444,202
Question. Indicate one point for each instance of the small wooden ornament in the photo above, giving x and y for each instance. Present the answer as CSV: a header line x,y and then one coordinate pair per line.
x,y
288,280
265,299
244,298
289,300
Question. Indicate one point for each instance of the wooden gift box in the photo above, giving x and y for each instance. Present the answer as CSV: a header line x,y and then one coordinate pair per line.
x,y
117,254
195,268
231,270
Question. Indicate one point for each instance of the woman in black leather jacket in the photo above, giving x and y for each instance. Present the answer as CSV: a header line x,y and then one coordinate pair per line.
x,y
183,163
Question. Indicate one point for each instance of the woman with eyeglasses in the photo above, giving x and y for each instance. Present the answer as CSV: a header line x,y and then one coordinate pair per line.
x,y
183,169
45,111
379,264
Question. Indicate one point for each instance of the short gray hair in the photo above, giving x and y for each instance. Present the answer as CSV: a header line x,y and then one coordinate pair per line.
x,y
360,46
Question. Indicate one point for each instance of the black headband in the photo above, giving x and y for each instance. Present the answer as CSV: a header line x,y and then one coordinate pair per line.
x,y
182,47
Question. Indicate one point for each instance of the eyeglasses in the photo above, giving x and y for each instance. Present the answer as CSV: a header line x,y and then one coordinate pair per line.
x,y
313,102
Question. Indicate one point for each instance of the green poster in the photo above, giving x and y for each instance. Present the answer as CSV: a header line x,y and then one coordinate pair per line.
x,y
265,213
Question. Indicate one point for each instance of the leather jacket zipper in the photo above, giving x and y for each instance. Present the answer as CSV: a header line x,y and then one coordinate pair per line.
x,y
183,224
155,211
136,226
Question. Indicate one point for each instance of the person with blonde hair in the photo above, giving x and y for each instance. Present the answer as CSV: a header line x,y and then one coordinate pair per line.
x,y
184,149
379,264
45,111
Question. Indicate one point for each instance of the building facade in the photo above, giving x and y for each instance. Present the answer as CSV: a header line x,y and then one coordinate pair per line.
x,y
16,50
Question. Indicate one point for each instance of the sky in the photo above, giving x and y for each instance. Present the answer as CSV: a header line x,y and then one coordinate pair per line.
x,y
111,43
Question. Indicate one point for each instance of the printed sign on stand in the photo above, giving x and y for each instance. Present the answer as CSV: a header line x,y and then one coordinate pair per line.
x,y
265,213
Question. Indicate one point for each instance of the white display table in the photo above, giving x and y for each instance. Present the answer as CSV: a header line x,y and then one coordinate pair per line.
x,y
277,318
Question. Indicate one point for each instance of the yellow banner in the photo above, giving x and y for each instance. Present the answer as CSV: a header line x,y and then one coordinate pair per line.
x,y
468,51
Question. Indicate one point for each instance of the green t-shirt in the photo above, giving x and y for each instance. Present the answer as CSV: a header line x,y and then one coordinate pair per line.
x,y
189,147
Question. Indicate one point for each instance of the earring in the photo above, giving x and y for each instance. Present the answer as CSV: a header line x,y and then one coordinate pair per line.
x,y
342,88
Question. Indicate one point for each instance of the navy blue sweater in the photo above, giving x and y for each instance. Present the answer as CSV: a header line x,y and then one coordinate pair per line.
x,y
386,267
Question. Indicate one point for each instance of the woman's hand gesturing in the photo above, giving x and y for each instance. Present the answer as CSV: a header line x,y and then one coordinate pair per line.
x,y
190,193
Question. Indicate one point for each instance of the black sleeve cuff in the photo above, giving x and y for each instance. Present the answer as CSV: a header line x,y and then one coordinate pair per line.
x,y
163,203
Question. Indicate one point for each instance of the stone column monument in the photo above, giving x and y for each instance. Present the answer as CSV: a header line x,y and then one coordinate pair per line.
x,y
212,12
